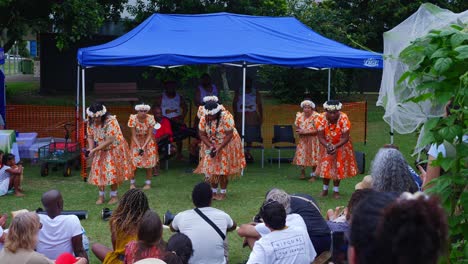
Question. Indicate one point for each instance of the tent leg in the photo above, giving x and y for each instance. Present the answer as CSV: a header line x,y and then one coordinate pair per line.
x,y
329,81
244,73
77,104
83,93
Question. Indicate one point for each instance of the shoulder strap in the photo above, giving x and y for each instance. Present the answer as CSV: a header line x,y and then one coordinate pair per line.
x,y
215,227
307,200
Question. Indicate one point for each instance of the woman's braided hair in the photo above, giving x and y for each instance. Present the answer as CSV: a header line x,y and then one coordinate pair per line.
x,y
128,214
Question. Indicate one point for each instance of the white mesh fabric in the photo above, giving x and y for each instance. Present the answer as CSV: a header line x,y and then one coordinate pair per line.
x,y
405,117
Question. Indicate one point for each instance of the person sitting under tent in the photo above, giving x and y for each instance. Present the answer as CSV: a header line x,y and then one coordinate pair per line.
x,y
163,136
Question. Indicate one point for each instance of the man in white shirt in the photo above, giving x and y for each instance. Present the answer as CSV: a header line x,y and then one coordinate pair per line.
x,y
208,244
59,233
283,244
254,231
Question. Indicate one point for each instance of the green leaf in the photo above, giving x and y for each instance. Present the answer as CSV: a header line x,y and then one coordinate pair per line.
x,y
463,52
458,38
442,64
442,52
428,85
450,132
447,32
419,98
431,123
413,55
404,76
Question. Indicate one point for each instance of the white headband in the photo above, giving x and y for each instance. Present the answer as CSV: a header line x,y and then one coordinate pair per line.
x,y
307,103
97,114
214,111
212,98
332,107
142,107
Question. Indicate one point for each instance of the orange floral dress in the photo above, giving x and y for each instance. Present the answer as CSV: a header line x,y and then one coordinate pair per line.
x,y
111,165
342,164
150,157
307,150
230,160
200,113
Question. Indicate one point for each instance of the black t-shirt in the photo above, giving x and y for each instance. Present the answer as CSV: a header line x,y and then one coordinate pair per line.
x,y
316,224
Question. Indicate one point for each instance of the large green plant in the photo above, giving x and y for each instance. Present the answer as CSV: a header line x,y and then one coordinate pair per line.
x,y
438,69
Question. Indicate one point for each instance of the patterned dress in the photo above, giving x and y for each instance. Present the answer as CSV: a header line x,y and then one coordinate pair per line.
x,y
200,113
230,160
150,157
110,165
121,240
307,151
133,253
342,164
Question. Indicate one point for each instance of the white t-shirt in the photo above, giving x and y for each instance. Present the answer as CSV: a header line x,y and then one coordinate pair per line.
x,y
290,245
292,220
55,236
4,180
207,243
436,149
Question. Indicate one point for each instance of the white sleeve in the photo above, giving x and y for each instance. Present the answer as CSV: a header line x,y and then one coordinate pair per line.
x,y
262,229
229,221
75,226
175,223
435,150
257,256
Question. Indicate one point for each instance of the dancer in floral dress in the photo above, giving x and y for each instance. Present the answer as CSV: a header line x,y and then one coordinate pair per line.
x,y
224,157
110,152
307,150
337,159
144,151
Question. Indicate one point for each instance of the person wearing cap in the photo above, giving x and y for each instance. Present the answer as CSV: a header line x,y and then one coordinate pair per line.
x,y
337,161
144,152
109,151
307,150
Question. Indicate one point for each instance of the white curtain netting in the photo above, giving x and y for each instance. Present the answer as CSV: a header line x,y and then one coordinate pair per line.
x,y
406,117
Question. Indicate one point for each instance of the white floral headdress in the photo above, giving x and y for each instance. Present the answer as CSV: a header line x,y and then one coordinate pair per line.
x,y
211,98
142,107
415,196
97,114
307,103
332,107
214,111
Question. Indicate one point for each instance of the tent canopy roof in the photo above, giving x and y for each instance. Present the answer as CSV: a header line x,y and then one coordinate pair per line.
x,y
169,40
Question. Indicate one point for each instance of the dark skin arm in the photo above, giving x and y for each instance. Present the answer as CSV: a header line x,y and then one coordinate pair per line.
x,y
226,140
77,244
234,104
233,227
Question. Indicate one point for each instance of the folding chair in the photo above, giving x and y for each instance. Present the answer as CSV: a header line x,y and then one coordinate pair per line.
x,y
253,134
282,134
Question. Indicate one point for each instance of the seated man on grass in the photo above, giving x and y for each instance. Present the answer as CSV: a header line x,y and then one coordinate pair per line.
x,y
206,227
59,233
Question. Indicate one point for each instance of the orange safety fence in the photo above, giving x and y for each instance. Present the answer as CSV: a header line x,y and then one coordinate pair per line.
x,y
48,121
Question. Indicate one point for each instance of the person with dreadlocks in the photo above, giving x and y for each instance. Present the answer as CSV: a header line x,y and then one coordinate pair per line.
x,y
224,156
307,150
144,152
337,159
124,223
110,152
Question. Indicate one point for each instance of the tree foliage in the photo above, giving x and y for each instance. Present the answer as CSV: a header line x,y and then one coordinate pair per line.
x,y
438,66
71,19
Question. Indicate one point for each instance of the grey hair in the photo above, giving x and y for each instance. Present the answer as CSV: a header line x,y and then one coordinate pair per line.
x,y
281,197
390,172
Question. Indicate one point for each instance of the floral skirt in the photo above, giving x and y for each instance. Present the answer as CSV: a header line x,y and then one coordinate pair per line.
x,y
338,166
307,151
112,166
229,162
150,157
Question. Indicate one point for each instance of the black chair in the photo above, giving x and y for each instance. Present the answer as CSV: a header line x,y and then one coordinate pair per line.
x,y
253,134
282,134
361,161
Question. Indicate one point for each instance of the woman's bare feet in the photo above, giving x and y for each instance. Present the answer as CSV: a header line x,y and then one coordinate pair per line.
x,y
113,200
19,194
100,200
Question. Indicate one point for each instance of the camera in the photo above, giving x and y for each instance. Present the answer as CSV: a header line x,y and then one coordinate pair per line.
x,y
421,163
81,214
168,217
106,213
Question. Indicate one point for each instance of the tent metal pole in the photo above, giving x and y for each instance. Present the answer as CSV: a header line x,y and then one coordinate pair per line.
x,y
244,74
391,130
77,104
233,64
329,80
83,93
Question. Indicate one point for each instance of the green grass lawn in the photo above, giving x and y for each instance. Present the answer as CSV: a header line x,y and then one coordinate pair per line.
x,y
172,189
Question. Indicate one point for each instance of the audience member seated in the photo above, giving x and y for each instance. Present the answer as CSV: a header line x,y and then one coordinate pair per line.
x,y
390,172
10,176
163,137
59,233
284,243
149,240
3,221
179,249
21,241
251,232
364,221
412,230
205,226
339,219
417,179
124,224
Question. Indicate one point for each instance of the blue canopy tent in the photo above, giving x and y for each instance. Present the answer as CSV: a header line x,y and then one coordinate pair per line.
x,y
167,41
